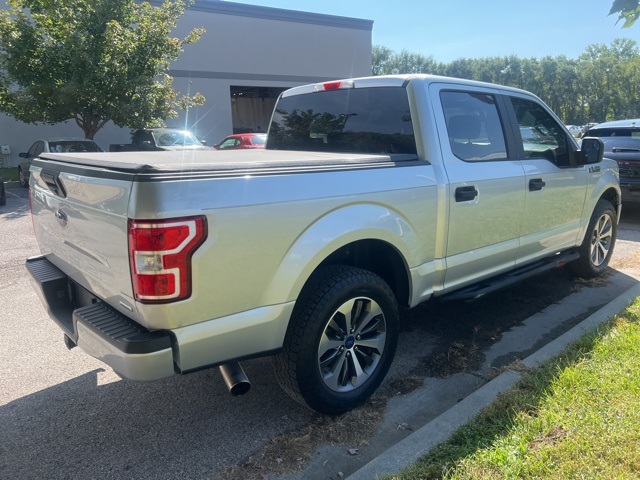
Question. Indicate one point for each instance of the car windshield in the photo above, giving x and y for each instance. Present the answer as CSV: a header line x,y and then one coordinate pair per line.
x,y
66,146
356,120
175,138
259,139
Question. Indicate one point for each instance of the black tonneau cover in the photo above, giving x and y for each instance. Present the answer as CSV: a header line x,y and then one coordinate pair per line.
x,y
217,161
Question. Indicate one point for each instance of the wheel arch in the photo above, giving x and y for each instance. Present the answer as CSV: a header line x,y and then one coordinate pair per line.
x,y
368,236
612,196
367,255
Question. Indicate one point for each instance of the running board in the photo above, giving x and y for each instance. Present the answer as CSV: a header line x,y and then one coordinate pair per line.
x,y
477,290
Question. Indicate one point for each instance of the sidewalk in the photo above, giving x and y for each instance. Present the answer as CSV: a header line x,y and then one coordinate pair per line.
x,y
409,450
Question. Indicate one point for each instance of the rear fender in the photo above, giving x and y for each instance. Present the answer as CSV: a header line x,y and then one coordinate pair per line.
x,y
330,233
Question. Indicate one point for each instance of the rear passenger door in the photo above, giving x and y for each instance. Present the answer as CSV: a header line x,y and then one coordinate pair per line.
x,y
555,189
486,191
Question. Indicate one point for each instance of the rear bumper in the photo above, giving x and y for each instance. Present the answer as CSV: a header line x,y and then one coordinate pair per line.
x,y
140,354
102,332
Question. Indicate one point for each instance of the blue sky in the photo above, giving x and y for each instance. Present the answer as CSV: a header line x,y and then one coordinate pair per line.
x,y
447,29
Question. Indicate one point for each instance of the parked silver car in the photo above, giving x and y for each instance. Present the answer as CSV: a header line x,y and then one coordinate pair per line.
x,y
60,145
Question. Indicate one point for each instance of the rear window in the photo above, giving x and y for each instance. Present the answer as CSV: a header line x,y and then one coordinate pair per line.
x,y
617,140
614,132
259,139
358,120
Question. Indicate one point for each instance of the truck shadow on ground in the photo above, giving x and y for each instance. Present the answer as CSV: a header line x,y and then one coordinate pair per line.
x,y
465,329
173,428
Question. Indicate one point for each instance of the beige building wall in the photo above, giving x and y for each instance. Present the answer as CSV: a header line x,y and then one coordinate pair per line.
x,y
246,46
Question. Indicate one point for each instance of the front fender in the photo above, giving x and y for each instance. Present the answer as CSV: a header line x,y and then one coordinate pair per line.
x,y
333,231
607,179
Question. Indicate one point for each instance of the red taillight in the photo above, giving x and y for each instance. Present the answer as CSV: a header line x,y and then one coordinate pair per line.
x,y
338,85
332,85
160,254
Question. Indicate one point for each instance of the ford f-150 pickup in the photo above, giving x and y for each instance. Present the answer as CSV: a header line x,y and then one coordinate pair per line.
x,y
373,194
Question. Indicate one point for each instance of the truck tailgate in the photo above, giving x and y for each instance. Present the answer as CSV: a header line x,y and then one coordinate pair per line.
x,y
80,222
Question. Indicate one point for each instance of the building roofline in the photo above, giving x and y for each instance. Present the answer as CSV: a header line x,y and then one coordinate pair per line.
x,y
270,13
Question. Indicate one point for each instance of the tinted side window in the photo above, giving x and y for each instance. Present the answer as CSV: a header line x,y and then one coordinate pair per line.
x,y
473,126
36,149
228,143
359,120
144,137
541,135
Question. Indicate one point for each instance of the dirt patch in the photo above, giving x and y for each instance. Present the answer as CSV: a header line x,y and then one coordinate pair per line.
x,y
291,452
466,329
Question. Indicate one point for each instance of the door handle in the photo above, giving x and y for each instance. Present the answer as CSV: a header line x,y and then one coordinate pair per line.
x,y
536,184
466,194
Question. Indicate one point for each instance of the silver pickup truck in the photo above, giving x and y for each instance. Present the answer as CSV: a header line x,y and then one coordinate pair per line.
x,y
372,195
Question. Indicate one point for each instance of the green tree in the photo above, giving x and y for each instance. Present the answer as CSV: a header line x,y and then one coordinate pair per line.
x,y
92,61
627,10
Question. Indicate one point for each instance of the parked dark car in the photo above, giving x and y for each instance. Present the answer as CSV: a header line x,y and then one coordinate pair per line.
x,y
60,145
622,143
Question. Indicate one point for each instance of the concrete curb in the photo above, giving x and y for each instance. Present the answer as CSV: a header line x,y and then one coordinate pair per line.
x,y
11,184
416,445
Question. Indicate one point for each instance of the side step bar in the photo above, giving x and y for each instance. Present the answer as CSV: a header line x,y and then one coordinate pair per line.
x,y
477,290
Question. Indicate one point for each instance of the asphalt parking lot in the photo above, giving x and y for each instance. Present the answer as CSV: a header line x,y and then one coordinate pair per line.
x,y
66,415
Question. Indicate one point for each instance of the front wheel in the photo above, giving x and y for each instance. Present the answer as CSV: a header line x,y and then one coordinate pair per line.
x,y
340,341
597,246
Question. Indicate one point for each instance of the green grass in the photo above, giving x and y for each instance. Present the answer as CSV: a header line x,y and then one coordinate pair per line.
x,y
9,174
577,416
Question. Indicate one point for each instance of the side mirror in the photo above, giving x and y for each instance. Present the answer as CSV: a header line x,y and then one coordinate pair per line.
x,y
591,151
204,142
23,155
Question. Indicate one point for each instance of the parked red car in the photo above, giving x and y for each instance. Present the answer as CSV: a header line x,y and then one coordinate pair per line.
x,y
242,140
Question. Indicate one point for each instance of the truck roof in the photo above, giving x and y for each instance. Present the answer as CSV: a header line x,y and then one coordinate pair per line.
x,y
394,81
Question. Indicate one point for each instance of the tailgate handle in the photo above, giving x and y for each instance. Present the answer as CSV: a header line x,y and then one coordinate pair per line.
x,y
53,182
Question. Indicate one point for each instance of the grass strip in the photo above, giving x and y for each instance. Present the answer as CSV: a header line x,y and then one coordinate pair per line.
x,y
576,416
9,174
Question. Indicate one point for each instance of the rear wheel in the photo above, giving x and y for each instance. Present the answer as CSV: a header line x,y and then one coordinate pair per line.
x,y
597,246
341,340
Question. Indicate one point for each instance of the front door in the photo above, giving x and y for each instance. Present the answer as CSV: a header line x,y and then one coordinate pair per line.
x,y
555,189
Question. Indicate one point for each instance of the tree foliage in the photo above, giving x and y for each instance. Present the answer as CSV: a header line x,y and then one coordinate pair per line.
x,y
627,10
92,61
601,84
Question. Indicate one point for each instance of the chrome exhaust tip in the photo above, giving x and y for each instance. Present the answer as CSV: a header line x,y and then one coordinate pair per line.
x,y
235,378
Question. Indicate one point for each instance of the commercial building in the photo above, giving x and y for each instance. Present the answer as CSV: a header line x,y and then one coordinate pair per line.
x,y
248,55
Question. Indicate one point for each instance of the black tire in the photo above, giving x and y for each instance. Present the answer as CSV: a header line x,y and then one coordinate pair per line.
x,y
322,357
599,240
23,182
